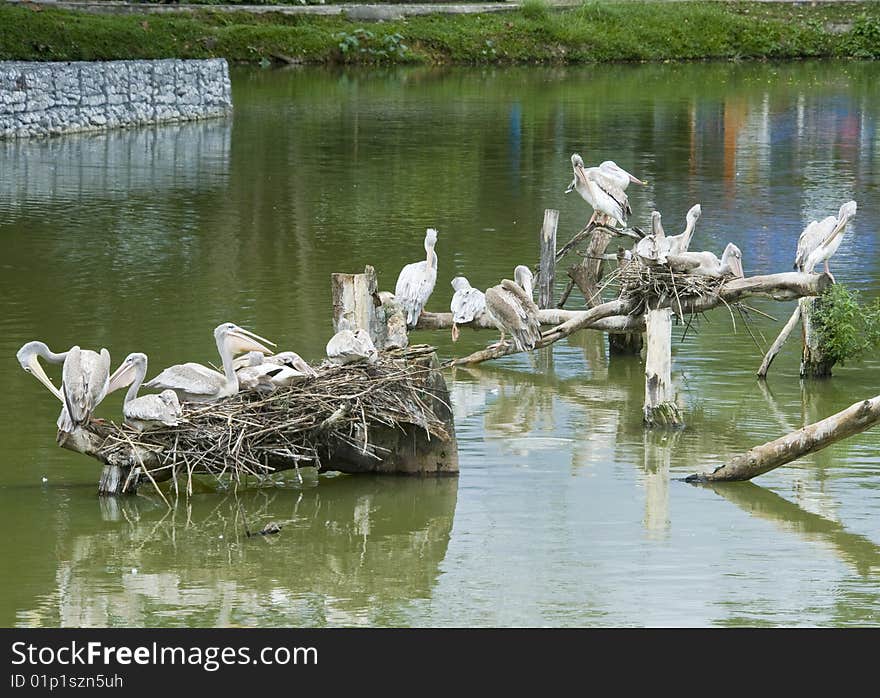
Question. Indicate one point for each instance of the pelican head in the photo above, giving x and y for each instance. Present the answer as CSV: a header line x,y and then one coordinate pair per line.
x,y
365,344
693,215
460,283
133,365
239,339
294,361
847,211
576,160
28,358
430,239
523,276
656,225
732,258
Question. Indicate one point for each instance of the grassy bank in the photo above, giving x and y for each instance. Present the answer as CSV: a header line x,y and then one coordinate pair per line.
x,y
595,31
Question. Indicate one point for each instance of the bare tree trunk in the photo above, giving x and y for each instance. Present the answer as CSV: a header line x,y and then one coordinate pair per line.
x,y
814,437
660,408
815,363
588,273
780,340
547,272
357,306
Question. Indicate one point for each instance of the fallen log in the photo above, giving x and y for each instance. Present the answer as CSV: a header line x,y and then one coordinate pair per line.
x,y
814,437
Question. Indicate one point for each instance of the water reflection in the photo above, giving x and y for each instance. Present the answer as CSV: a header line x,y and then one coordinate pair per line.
x,y
566,512
348,551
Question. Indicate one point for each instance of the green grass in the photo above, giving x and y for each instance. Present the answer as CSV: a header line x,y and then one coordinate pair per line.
x,y
592,32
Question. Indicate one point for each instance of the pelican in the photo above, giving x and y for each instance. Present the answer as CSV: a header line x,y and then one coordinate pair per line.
x,y
603,188
467,303
148,411
347,347
680,243
511,309
654,247
85,379
265,373
820,239
707,264
416,281
196,383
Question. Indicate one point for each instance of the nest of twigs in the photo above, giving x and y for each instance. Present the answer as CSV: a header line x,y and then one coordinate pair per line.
x,y
244,434
654,282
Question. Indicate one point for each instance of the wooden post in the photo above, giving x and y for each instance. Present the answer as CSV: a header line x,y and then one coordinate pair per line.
x,y
758,460
660,409
357,306
546,273
814,362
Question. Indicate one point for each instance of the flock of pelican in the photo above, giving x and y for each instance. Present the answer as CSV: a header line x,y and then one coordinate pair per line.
x,y
86,379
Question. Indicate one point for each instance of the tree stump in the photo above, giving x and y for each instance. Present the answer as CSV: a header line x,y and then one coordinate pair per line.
x,y
815,362
660,408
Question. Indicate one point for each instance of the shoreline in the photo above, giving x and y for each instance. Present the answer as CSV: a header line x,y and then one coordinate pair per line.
x,y
532,33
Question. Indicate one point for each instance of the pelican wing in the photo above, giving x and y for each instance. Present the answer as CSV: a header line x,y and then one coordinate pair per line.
x,y
809,240
414,286
513,311
191,378
152,408
609,200
467,304
85,377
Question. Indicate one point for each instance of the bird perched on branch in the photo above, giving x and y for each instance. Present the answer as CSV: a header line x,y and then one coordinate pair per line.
x,y
680,243
467,303
820,239
512,310
148,411
603,187
707,264
416,281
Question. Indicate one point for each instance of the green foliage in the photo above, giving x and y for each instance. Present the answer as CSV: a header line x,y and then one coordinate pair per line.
x,y
847,328
591,32
362,45
535,9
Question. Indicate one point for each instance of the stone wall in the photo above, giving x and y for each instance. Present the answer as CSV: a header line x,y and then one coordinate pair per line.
x,y
45,99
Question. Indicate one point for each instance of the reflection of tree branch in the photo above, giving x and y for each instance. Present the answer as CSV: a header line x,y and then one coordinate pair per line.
x,y
852,548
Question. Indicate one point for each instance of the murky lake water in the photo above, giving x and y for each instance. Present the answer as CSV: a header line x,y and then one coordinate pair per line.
x,y
566,512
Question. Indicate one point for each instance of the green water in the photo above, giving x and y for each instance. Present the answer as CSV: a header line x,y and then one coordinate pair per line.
x,y
566,512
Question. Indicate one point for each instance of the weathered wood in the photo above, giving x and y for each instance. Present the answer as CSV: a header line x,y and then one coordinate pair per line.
x,y
780,340
660,408
588,272
548,317
547,270
758,460
784,286
815,363
356,305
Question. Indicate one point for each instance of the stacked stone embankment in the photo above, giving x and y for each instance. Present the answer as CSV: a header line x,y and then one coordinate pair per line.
x,y
45,99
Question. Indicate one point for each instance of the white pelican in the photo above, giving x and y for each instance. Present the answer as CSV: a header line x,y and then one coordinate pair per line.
x,y
820,239
707,264
347,347
265,373
85,379
467,303
196,383
147,411
680,243
603,188
416,281
511,308
654,247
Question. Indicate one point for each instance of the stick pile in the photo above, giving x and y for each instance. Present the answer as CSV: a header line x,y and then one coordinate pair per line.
x,y
243,434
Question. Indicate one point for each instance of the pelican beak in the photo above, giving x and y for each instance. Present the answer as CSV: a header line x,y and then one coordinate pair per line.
x,y
33,366
241,340
736,266
636,180
455,332
122,377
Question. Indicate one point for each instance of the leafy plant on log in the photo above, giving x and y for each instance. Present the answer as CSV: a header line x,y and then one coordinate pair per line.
x,y
847,327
